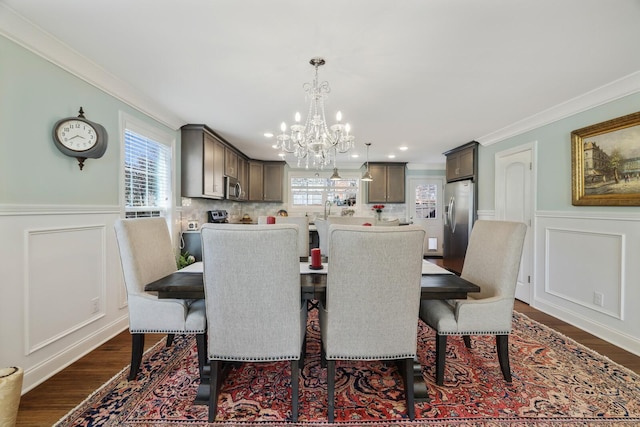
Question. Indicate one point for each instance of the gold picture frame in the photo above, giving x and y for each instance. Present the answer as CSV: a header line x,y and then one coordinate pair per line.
x,y
605,163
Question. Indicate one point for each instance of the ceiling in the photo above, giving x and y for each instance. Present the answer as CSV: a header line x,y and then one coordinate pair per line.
x,y
426,74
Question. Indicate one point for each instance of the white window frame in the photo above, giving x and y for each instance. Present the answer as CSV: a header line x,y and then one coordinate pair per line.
x,y
156,134
319,210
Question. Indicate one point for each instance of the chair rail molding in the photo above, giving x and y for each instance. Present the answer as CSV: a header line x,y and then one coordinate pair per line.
x,y
19,210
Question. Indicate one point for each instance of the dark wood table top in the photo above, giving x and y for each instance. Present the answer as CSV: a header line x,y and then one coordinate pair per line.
x,y
190,285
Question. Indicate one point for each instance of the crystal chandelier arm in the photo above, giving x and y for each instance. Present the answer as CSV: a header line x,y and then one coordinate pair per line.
x,y
315,141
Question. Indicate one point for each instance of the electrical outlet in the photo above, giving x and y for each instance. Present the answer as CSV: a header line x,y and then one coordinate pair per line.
x,y
95,305
598,299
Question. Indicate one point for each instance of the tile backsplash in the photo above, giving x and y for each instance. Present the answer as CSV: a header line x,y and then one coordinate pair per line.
x,y
194,209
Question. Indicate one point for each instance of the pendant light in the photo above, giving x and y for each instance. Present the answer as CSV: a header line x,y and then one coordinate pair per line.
x,y
336,176
367,175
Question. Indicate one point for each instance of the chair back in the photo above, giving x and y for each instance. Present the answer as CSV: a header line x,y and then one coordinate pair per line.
x,y
146,251
389,223
373,292
252,291
322,226
303,230
493,257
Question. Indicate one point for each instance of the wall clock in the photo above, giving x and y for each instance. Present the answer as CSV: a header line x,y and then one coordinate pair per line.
x,y
80,138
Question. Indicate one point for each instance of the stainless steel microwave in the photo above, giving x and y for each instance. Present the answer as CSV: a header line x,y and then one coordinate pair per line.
x,y
234,189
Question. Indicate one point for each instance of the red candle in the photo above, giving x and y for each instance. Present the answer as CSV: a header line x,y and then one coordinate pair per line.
x,y
316,261
271,220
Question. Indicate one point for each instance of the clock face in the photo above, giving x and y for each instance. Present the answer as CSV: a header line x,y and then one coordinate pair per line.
x,y
76,135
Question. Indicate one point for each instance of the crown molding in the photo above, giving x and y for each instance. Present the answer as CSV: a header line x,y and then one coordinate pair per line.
x,y
23,32
622,87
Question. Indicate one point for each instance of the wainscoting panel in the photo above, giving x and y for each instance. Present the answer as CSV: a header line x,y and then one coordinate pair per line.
x,y
65,282
586,267
586,272
62,286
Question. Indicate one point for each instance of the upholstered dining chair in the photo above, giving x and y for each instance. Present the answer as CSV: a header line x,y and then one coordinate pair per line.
x,y
388,223
322,226
492,262
303,230
372,300
254,309
146,255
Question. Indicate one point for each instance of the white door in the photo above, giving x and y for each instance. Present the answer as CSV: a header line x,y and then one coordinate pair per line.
x,y
514,169
425,210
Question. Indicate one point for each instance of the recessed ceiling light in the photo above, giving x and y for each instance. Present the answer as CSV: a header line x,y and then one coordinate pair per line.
x,y
281,155
391,156
355,156
268,134
404,148
274,146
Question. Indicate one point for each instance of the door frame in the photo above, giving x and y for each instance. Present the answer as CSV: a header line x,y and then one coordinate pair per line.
x,y
532,148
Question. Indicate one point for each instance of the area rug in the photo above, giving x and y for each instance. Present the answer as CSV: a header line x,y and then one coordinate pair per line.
x,y
556,382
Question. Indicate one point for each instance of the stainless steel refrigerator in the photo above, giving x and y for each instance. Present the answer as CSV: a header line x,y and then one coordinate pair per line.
x,y
459,216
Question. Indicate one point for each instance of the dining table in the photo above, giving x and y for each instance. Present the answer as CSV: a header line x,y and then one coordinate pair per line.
x,y
436,283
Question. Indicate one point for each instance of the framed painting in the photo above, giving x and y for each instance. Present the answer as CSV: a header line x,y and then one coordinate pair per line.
x,y
605,163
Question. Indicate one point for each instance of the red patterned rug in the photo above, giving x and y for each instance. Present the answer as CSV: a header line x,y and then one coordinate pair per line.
x,y
556,382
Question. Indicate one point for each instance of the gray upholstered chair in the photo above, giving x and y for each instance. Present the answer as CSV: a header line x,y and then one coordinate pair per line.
x,y
322,226
372,299
146,255
391,222
254,309
492,262
303,230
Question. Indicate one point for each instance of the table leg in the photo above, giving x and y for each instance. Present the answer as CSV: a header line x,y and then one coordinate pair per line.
x,y
420,390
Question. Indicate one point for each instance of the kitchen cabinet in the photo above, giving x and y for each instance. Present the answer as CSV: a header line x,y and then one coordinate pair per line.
x,y
273,173
388,185
230,163
243,177
255,181
462,162
202,163
265,181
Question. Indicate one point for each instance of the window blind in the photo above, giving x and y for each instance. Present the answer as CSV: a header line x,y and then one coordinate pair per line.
x,y
147,170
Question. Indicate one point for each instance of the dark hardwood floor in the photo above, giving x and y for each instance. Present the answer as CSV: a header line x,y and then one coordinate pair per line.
x,y
47,403
51,400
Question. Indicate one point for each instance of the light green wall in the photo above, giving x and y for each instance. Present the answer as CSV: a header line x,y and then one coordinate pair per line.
x,y
554,157
34,94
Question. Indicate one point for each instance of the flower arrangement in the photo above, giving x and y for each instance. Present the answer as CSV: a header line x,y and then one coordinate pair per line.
x,y
377,208
185,259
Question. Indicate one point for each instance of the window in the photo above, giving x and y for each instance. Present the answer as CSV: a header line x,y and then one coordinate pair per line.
x,y
313,192
426,201
147,174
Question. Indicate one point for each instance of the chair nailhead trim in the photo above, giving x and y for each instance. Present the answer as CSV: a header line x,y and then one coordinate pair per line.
x,y
253,359
164,331
476,333
383,357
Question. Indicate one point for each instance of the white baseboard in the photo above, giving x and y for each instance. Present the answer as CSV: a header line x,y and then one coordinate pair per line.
x,y
39,373
603,332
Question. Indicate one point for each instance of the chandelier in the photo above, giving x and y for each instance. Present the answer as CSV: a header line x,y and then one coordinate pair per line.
x,y
314,142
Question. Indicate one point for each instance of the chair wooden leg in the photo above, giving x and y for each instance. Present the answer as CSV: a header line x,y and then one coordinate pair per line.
x,y
137,346
331,384
408,388
467,341
502,345
294,391
213,389
441,352
202,353
170,338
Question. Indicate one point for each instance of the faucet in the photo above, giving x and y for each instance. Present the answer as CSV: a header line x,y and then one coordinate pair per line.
x,y
327,203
